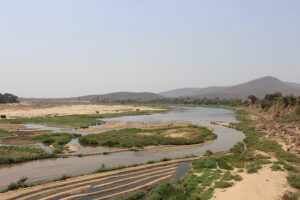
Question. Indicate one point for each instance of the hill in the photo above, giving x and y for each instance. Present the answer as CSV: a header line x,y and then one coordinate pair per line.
x,y
110,97
258,87
122,96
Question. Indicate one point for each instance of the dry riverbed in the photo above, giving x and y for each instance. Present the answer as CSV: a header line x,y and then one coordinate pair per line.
x,y
31,110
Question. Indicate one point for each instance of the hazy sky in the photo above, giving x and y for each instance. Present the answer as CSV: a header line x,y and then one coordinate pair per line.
x,y
62,48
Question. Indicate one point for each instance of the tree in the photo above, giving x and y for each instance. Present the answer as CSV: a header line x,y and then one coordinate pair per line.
x,y
253,99
273,97
8,98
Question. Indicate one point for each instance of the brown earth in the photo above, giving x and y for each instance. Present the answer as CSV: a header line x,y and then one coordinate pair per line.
x,y
280,124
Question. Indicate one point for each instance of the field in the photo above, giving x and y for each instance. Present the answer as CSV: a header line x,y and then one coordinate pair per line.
x,y
134,137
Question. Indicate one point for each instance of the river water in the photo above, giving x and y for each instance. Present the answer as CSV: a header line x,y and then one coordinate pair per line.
x,y
42,170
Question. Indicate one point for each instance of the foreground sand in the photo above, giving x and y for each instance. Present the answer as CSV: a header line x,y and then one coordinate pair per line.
x,y
24,110
264,185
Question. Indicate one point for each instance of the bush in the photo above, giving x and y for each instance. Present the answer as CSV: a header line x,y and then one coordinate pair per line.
x,y
276,167
294,180
167,191
19,184
290,167
291,196
205,163
223,164
135,196
238,148
253,169
223,184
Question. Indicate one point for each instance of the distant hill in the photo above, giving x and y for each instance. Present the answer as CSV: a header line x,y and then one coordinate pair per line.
x,y
258,87
110,97
122,96
181,92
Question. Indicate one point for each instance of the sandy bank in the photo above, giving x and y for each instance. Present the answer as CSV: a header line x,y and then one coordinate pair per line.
x,y
20,110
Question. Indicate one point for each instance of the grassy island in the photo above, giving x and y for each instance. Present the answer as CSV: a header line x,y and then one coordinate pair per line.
x,y
134,137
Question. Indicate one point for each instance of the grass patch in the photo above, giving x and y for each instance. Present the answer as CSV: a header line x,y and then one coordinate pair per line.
x,y
223,184
133,137
135,196
276,167
19,184
4,133
58,140
291,196
74,121
294,180
54,138
290,167
16,154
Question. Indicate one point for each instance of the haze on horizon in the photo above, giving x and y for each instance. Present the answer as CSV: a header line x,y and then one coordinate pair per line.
x,y
74,47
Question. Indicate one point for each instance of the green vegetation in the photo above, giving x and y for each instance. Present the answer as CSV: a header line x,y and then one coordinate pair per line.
x,y
291,196
58,140
276,167
294,180
63,177
197,187
73,121
216,171
8,98
19,184
135,196
167,191
16,154
133,137
4,134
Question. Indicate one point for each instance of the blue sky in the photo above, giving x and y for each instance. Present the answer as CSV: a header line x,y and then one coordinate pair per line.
x,y
62,48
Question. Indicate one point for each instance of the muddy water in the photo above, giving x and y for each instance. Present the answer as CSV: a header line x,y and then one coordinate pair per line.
x,y
42,170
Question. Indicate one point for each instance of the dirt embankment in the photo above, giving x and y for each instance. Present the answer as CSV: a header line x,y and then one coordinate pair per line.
x,y
280,124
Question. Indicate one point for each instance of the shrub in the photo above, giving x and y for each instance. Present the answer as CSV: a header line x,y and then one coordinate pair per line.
x,y
276,167
205,163
291,196
294,180
19,184
223,164
135,196
223,184
238,148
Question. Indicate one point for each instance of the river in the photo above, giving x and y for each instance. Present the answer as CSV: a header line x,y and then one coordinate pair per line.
x,y
42,170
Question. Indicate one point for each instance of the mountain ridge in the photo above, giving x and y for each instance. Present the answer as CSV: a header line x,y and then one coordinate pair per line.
x,y
258,87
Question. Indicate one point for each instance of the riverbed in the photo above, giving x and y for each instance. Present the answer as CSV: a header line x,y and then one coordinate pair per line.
x,y
47,169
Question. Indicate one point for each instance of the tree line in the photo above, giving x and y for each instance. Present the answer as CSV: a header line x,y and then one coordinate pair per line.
x,y
264,103
8,98
276,98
